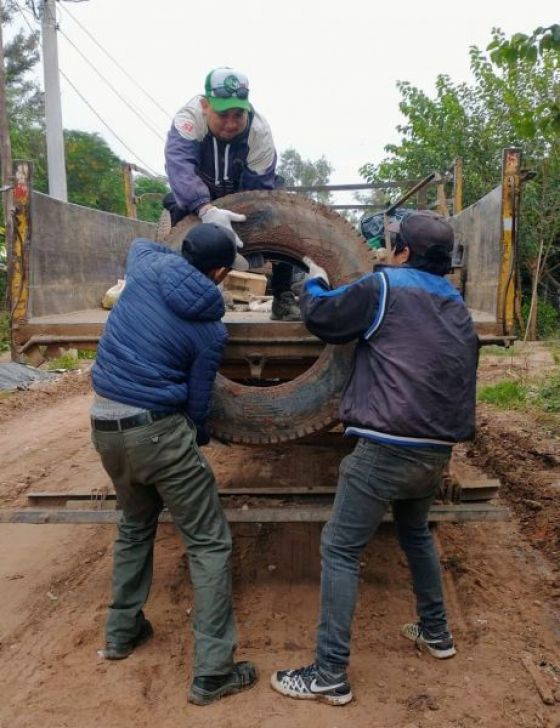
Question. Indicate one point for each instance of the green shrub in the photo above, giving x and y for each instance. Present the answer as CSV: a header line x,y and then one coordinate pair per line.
x,y
4,332
548,318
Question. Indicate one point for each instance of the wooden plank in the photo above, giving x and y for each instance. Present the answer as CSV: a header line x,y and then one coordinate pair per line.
x,y
42,498
479,490
439,513
538,678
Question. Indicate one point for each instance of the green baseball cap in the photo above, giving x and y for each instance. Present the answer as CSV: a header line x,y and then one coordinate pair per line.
x,y
226,89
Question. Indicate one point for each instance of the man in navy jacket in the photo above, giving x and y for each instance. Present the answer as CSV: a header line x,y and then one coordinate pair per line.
x,y
410,397
153,377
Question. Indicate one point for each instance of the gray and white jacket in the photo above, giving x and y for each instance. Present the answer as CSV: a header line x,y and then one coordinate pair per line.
x,y
414,375
201,167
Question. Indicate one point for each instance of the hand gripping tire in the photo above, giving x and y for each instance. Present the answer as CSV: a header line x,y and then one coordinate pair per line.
x,y
291,226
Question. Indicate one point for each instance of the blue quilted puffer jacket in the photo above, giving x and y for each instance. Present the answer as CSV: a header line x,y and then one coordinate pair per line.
x,y
164,339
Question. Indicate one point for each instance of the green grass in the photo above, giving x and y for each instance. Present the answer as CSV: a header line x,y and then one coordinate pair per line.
x,y
499,351
540,396
507,394
549,394
86,354
554,348
66,361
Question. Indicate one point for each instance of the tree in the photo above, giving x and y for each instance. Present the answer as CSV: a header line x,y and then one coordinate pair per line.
x,y
535,117
513,102
149,208
298,171
24,101
94,172
25,98
451,125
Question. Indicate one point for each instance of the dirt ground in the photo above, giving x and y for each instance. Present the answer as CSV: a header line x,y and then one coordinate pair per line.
x,y
502,584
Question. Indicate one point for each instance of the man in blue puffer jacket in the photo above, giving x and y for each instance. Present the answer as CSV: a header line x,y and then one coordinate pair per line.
x,y
153,377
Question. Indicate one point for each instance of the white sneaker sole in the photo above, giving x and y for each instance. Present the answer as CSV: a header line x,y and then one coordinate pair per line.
x,y
329,699
421,644
438,654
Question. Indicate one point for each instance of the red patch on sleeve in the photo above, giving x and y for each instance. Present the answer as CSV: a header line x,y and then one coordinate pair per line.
x,y
187,126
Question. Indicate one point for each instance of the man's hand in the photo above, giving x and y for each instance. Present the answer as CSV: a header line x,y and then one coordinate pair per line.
x,y
315,271
222,217
202,436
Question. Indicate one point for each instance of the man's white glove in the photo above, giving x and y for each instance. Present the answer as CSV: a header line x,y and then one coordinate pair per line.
x,y
315,271
224,218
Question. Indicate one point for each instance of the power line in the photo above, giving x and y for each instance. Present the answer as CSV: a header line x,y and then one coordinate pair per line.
x,y
86,102
113,89
126,73
117,137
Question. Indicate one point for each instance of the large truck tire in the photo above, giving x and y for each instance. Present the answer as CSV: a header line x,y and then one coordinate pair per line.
x,y
290,227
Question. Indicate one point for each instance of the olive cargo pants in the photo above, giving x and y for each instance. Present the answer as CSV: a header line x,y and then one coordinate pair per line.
x,y
151,466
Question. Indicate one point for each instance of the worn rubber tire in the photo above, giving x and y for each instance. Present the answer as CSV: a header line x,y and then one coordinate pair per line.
x,y
289,225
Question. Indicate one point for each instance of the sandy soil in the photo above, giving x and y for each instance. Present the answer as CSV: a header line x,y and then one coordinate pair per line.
x,y
502,584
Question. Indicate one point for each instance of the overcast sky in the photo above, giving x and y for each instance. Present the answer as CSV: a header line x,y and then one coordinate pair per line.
x,y
323,73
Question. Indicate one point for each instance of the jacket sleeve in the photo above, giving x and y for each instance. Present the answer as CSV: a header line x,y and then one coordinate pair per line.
x,y
265,181
343,314
182,161
201,380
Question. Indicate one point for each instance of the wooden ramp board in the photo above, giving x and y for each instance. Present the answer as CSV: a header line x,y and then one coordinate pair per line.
x,y
469,483
247,513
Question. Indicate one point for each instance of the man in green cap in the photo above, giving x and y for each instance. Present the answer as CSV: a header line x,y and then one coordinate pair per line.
x,y
218,144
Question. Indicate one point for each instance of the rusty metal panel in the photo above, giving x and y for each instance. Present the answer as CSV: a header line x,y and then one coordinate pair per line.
x,y
479,230
76,254
511,192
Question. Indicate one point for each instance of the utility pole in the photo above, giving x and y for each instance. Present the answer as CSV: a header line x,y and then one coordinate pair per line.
x,y
53,109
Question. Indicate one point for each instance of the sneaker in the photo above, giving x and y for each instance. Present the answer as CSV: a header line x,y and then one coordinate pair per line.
x,y
164,226
440,646
285,307
208,688
307,683
114,651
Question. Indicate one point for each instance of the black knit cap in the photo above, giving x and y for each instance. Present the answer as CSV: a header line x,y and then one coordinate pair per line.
x,y
208,246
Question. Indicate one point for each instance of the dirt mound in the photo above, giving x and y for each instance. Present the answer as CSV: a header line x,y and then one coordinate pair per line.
x,y
514,448
43,394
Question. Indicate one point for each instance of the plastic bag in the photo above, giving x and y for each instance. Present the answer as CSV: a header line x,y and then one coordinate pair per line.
x,y
112,295
373,228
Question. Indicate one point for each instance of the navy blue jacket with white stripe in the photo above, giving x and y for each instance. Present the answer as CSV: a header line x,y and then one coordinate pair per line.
x,y
414,374
164,339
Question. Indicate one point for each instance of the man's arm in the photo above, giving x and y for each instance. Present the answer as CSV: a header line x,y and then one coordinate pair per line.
x,y
345,313
201,380
182,161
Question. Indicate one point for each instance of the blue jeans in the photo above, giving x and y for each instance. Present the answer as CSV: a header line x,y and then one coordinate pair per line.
x,y
372,477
